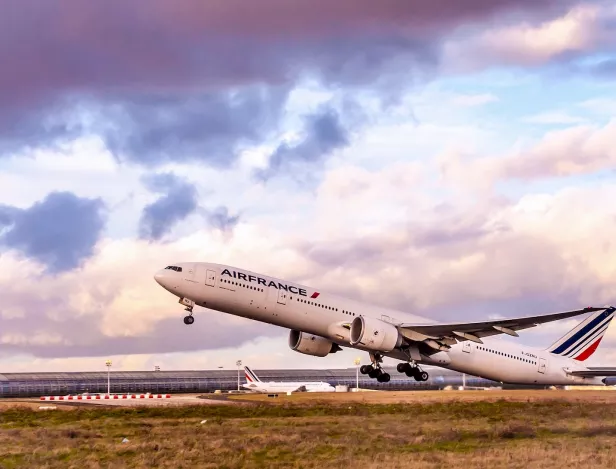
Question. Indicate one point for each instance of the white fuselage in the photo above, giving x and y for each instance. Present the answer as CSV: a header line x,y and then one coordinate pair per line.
x,y
290,386
299,307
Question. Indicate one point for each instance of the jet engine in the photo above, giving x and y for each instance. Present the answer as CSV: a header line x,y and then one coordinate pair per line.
x,y
375,334
311,344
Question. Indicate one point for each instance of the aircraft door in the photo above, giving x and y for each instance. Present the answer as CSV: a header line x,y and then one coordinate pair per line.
x,y
543,363
210,278
466,346
282,297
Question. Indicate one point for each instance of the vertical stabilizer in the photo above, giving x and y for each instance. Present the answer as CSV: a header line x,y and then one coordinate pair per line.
x,y
251,377
582,341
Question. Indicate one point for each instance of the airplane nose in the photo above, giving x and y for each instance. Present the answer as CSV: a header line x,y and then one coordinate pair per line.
x,y
158,276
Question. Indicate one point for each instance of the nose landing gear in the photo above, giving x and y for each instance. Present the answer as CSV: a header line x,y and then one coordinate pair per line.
x,y
189,307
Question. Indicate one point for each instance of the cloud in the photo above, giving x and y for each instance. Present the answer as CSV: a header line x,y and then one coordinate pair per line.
x,y
152,129
7,215
585,28
114,306
605,68
473,259
605,106
577,150
161,80
220,219
180,200
60,231
323,134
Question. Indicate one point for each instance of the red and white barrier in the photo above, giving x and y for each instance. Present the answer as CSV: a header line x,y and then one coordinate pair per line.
x,y
105,397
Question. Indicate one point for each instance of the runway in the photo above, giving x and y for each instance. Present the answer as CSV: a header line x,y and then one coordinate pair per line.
x,y
174,400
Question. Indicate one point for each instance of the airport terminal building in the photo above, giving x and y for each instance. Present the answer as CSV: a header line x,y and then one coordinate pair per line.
x,y
206,381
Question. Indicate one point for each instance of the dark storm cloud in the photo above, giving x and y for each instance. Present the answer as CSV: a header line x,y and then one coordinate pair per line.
x,y
179,200
323,134
160,62
60,231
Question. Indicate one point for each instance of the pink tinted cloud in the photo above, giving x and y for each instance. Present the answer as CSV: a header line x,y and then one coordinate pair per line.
x,y
574,151
585,28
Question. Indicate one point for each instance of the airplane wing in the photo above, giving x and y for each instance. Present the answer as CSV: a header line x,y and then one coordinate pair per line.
x,y
594,371
441,336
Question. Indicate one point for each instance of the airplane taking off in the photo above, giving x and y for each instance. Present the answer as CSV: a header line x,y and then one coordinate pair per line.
x,y
255,384
321,323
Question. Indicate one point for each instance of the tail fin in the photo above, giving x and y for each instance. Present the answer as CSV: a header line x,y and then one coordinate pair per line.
x,y
250,375
582,341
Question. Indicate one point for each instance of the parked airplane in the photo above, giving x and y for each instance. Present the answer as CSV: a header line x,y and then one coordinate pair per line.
x,y
255,384
322,323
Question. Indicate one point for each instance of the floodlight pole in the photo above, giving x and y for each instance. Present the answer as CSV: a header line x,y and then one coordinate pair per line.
x,y
238,363
357,362
108,364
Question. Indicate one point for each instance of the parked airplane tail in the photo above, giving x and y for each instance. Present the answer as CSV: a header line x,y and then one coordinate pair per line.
x,y
582,341
251,377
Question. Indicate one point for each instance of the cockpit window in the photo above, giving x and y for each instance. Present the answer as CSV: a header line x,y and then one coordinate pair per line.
x,y
174,267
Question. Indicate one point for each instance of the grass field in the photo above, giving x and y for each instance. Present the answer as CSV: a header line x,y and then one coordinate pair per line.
x,y
368,430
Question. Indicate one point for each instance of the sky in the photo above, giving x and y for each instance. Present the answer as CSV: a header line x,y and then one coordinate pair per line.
x,y
454,160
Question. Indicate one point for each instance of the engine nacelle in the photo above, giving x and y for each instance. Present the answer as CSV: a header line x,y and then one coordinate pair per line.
x,y
375,334
311,344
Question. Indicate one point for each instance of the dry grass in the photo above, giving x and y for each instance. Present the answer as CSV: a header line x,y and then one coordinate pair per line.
x,y
412,397
440,431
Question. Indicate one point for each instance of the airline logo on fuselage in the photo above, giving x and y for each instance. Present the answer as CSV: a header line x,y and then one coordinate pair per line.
x,y
261,281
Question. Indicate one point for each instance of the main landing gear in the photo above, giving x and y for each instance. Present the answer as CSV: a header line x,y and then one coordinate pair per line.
x,y
188,320
375,371
412,371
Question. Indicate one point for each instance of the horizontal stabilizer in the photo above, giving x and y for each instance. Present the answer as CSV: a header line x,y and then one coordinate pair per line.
x,y
594,372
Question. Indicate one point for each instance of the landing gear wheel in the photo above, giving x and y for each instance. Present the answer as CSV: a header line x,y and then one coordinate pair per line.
x,y
383,378
188,320
402,367
365,369
375,370
423,376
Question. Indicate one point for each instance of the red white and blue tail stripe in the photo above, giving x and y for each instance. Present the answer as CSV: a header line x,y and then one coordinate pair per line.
x,y
250,375
582,341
